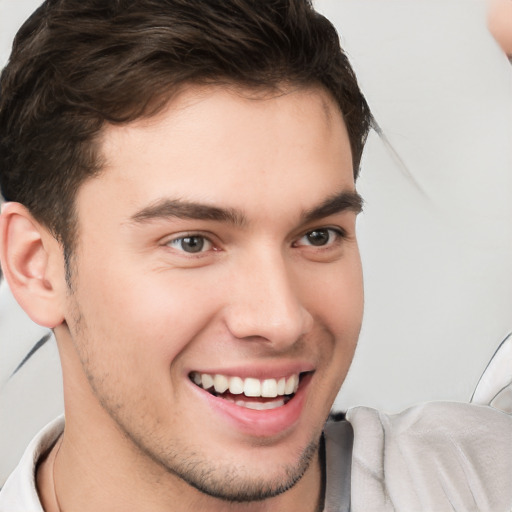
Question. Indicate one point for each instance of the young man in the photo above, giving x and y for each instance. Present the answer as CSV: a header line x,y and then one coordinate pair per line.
x,y
181,205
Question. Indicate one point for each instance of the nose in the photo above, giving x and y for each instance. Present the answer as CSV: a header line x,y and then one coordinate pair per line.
x,y
265,302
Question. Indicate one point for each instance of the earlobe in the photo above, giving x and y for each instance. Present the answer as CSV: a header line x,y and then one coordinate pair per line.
x,y
28,253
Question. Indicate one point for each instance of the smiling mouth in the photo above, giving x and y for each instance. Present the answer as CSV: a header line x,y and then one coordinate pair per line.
x,y
252,393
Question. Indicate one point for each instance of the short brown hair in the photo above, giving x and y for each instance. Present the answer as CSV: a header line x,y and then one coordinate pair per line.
x,y
77,64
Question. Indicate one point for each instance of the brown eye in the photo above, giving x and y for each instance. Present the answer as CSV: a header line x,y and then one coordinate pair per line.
x,y
318,237
321,237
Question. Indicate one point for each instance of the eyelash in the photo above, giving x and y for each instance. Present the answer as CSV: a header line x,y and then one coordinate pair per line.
x,y
204,240
336,235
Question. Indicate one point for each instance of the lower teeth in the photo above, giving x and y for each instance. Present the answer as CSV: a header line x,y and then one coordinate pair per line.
x,y
258,406
252,404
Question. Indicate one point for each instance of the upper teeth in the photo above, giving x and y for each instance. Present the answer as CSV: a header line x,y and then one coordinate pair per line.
x,y
249,387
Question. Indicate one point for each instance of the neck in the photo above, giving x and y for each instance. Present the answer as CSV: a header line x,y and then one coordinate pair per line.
x,y
45,480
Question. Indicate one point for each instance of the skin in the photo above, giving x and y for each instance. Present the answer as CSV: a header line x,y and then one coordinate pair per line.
x,y
499,19
257,299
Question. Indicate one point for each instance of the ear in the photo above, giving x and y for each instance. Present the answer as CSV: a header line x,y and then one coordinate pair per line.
x,y
33,264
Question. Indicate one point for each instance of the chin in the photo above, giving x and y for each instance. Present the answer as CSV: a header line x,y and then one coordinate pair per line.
x,y
241,483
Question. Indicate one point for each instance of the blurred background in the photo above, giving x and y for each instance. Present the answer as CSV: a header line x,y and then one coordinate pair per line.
x,y
436,233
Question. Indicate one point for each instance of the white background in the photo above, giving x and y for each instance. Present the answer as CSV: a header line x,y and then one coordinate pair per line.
x,y
436,234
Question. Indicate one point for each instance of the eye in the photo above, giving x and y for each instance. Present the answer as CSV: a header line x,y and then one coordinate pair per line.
x,y
191,244
320,237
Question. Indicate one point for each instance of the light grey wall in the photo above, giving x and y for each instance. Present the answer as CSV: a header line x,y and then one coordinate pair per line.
x,y
438,256
436,234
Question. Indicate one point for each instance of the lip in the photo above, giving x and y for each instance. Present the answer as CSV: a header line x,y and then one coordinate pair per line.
x,y
258,372
266,423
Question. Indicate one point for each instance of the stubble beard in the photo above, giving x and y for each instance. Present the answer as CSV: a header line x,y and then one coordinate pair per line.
x,y
228,482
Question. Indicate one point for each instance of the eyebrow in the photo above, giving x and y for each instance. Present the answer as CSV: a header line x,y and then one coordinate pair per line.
x,y
168,208
348,200
178,208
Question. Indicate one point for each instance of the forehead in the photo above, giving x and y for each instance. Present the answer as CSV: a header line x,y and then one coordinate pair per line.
x,y
218,145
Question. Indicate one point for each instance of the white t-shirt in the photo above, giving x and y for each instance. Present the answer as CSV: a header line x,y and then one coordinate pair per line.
x,y
433,457
19,494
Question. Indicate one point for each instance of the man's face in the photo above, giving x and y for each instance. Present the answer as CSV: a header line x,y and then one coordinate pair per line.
x,y
218,247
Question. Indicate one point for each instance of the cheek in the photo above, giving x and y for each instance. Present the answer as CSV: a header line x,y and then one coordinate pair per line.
x,y
144,321
336,297
337,303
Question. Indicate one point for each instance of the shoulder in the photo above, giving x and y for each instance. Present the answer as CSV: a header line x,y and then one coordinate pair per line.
x,y
435,456
19,494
